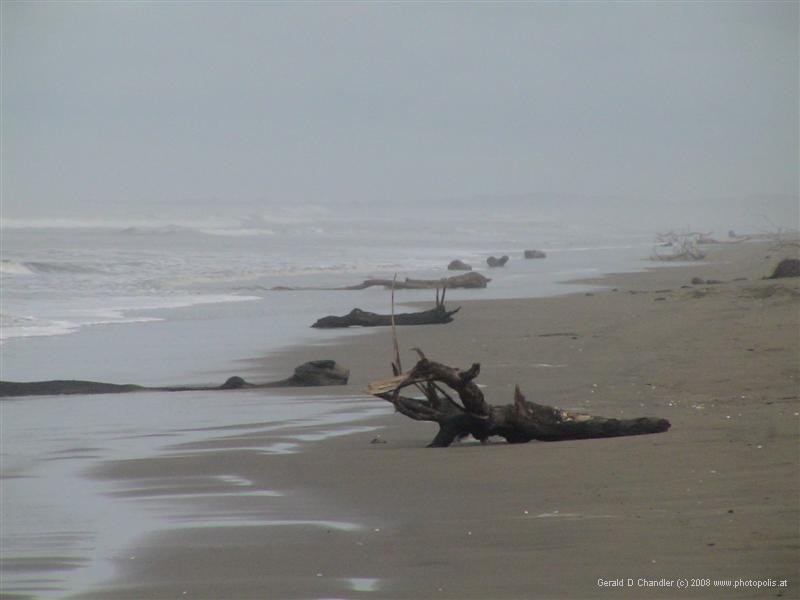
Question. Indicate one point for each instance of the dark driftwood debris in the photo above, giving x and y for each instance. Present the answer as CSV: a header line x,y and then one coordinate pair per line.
x,y
313,373
518,423
535,254
362,318
465,280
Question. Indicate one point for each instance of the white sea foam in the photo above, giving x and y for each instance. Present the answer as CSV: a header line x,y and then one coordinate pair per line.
x,y
11,326
101,311
10,267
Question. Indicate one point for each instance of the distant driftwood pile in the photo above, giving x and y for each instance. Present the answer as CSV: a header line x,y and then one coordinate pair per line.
x,y
314,373
679,247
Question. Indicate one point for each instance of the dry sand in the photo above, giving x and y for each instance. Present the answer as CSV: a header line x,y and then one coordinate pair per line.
x,y
715,498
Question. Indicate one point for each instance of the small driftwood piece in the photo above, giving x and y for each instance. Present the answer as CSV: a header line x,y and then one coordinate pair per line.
x,y
361,318
518,423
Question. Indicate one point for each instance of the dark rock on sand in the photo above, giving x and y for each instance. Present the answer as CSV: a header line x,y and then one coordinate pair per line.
x,y
535,254
458,265
234,383
788,267
497,262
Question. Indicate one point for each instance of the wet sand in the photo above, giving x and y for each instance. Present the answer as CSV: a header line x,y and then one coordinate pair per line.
x,y
715,498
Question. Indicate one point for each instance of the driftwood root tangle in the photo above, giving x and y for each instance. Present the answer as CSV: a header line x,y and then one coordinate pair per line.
x,y
518,423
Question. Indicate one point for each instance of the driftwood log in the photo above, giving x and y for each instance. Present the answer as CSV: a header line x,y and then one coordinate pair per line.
x,y
313,373
362,318
518,423
465,280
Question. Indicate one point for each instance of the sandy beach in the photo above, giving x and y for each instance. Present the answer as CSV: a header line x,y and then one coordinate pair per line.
x,y
669,515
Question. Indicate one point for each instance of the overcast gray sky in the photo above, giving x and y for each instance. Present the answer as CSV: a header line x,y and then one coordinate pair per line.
x,y
117,107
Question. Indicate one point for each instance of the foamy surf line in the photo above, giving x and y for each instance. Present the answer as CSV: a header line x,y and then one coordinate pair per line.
x,y
64,320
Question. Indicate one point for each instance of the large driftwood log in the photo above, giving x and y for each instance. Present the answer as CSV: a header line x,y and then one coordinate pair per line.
x,y
518,423
313,373
362,318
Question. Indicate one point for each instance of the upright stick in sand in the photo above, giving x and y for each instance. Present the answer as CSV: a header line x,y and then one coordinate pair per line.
x,y
397,368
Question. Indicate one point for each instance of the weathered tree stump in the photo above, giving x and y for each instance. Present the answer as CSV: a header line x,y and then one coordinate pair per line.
x,y
518,423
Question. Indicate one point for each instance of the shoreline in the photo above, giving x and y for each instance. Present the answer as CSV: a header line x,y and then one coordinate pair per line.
x,y
727,262
714,497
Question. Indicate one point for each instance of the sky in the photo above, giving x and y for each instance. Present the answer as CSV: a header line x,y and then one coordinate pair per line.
x,y
123,108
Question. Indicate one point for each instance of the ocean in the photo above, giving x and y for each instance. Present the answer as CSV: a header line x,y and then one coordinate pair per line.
x,y
192,303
